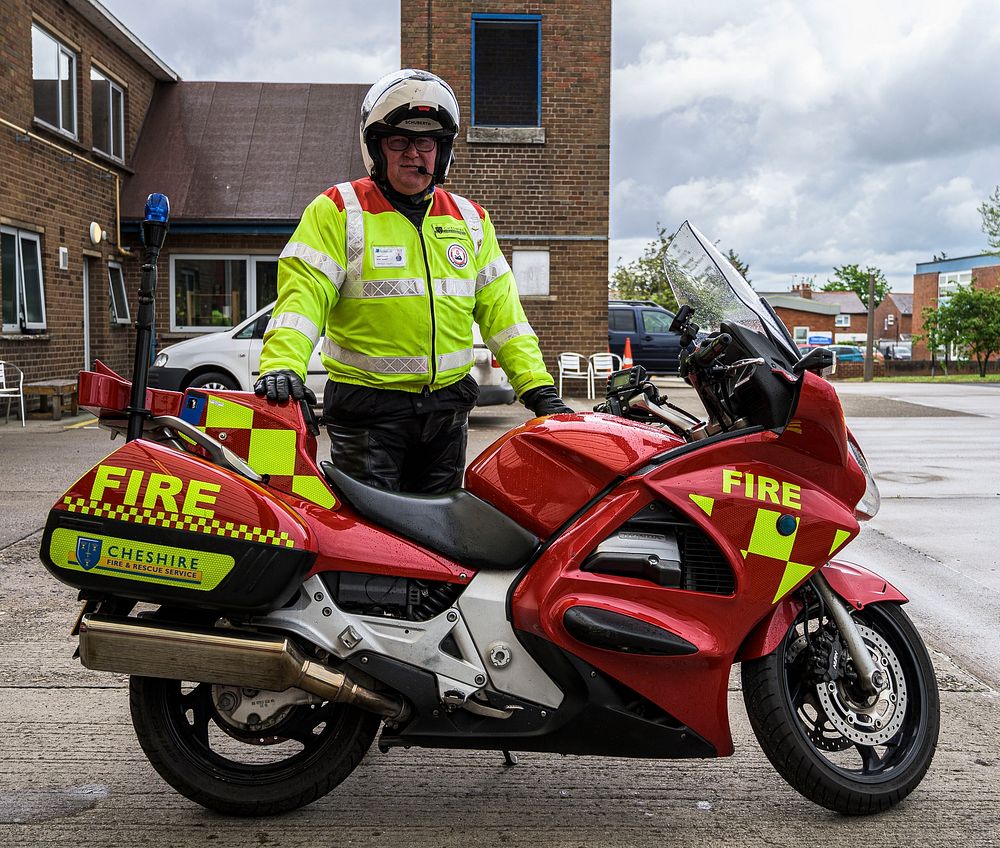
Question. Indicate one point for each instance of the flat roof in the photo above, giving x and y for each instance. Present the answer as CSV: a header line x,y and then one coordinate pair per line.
x,y
961,263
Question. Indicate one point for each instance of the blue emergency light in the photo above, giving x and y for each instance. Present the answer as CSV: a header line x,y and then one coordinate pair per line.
x,y
157,208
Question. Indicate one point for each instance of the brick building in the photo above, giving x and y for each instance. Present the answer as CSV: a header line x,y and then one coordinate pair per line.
x,y
825,317
239,161
934,281
894,317
534,87
75,86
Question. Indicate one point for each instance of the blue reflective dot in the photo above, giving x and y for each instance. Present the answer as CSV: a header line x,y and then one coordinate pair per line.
x,y
786,525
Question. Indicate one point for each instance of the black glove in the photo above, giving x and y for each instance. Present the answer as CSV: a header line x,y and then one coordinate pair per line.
x,y
278,386
544,401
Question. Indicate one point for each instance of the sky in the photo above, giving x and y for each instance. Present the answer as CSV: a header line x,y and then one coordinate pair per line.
x,y
802,134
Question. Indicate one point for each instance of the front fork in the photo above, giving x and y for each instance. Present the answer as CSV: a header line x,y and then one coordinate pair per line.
x,y
871,678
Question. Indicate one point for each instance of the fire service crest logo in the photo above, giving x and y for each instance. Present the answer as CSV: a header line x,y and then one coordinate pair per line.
x,y
88,552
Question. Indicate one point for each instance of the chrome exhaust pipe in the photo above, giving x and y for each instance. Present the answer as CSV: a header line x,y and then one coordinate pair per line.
x,y
255,661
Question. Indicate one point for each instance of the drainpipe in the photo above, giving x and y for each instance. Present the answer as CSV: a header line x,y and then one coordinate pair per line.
x,y
118,218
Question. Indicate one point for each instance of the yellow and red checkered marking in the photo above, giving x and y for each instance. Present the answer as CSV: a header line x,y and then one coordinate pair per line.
x,y
178,521
268,445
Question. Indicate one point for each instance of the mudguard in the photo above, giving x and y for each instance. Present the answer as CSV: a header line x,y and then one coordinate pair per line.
x,y
856,585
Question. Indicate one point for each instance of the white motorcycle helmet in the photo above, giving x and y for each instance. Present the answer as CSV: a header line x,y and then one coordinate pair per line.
x,y
409,102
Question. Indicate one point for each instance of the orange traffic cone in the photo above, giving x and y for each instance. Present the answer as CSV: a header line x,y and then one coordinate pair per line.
x,y
627,358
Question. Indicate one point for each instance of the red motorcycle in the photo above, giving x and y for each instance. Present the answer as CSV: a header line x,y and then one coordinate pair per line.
x,y
587,592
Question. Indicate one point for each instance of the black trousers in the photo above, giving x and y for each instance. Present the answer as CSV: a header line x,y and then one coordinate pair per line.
x,y
400,441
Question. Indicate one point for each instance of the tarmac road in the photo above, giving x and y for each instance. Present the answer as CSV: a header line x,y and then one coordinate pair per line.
x,y
72,771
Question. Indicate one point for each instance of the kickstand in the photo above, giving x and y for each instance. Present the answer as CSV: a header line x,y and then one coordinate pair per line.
x,y
509,759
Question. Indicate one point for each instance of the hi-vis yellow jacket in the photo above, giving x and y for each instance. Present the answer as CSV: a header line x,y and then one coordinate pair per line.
x,y
395,306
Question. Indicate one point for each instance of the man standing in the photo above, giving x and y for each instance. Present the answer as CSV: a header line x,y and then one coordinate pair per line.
x,y
392,271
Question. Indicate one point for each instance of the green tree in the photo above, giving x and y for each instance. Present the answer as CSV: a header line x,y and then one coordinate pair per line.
x,y
971,319
990,210
644,278
934,334
855,279
739,264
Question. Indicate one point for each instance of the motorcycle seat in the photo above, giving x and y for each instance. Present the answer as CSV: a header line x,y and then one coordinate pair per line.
x,y
456,524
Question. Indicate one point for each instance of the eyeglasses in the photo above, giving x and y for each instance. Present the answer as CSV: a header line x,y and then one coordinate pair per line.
x,y
421,143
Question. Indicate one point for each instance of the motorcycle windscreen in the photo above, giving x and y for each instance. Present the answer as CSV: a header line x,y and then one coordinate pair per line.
x,y
155,525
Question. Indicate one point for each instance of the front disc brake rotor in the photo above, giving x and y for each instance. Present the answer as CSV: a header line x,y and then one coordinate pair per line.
x,y
868,720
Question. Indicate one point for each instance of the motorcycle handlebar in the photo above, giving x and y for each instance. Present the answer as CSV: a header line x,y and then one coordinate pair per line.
x,y
709,350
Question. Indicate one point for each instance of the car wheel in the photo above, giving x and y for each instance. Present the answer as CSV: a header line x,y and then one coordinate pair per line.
x,y
214,380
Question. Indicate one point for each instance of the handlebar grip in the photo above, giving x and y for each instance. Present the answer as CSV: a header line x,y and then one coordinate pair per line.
x,y
710,350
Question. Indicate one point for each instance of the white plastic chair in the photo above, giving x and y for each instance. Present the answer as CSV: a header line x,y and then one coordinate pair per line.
x,y
11,386
603,365
575,366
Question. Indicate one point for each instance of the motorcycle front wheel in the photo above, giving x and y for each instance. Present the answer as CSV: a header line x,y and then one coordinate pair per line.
x,y
845,750
207,742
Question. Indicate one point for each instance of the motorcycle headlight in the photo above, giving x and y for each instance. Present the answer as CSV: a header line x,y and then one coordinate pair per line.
x,y
161,360
871,500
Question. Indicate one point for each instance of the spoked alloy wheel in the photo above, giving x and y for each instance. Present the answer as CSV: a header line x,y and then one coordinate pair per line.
x,y
846,750
247,753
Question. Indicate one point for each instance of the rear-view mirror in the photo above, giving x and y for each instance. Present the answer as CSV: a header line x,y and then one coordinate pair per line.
x,y
819,360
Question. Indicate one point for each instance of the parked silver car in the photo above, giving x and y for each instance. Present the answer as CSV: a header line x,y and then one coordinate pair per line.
x,y
230,359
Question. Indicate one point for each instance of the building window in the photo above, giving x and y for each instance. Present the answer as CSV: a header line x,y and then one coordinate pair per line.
x,y
119,296
531,271
53,67
212,293
842,321
948,283
108,105
801,335
21,280
506,70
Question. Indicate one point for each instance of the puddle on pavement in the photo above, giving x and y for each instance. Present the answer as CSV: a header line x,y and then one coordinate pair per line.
x,y
22,806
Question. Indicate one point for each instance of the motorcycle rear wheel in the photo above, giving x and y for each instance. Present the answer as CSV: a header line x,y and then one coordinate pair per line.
x,y
301,757
805,729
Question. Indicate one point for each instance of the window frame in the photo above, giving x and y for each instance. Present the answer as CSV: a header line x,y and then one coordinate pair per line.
x,y
62,49
112,87
20,292
491,17
842,321
800,334
948,282
116,318
252,306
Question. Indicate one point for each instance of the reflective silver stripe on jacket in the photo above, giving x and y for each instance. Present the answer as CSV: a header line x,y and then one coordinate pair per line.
x,y
382,288
294,321
457,359
450,287
326,265
355,230
500,339
472,219
497,268
374,364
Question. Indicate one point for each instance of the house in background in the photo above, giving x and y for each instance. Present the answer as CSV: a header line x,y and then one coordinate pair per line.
x,y
894,317
934,281
91,122
820,317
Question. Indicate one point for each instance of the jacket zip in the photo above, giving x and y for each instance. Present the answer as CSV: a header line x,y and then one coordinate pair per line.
x,y
430,296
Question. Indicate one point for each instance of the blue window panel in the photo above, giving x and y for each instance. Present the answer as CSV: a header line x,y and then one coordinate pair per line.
x,y
506,70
